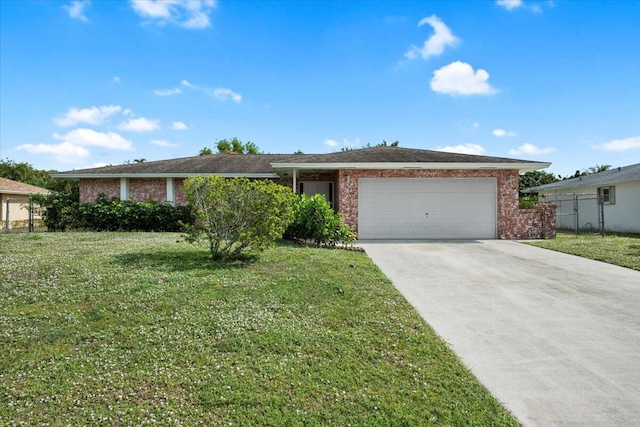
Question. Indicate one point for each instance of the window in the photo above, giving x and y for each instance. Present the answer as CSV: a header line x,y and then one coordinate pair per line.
x,y
607,195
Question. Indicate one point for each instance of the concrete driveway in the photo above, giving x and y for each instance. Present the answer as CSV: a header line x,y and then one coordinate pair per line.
x,y
554,337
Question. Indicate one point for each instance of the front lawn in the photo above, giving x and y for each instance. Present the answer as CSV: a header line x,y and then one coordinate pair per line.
x,y
615,248
140,328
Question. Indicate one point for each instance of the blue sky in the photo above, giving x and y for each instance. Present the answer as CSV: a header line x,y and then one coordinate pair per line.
x,y
88,83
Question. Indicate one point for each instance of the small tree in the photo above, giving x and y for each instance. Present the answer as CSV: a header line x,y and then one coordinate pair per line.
x,y
237,215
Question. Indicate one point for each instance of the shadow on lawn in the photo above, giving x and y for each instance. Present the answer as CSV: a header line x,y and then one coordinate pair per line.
x,y
180,261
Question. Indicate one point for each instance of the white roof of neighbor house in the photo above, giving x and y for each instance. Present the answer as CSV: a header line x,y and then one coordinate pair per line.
x,y
613,176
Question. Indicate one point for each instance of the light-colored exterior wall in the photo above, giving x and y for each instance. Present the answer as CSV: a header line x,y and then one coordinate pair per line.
x,y
18,212
624,214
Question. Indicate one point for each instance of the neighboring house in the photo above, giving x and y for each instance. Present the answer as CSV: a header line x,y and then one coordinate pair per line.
x,y
18,210
618,188
385,192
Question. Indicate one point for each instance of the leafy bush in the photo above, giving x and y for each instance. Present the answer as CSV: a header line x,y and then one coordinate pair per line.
x,y
132,216
314,220
59,210
528,202
63,212
237,215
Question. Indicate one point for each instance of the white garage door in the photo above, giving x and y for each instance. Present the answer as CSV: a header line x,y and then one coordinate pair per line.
x,y
427,208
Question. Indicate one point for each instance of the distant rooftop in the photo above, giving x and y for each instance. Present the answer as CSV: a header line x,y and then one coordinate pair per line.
x,y
612,176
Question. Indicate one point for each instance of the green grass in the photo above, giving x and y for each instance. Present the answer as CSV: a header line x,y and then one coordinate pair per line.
x,y
615,248
133,329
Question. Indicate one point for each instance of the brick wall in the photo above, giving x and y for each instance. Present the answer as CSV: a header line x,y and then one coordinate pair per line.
x,y
178,192
90,188
512,222
143,189
537,223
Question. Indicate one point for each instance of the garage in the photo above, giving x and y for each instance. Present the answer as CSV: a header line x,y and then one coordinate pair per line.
x,y
427,208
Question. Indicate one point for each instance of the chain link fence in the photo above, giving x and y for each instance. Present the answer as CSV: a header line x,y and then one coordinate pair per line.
x,y
580,213
19,214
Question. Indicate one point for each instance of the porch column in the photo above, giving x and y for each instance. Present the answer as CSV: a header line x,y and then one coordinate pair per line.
x,y
295,181
170,193
124,188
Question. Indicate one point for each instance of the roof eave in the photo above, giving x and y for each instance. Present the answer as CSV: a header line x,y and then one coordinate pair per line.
x,y
578,184
161,175
522,167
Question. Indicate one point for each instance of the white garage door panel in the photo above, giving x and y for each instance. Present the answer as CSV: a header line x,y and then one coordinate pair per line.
x,y
427,208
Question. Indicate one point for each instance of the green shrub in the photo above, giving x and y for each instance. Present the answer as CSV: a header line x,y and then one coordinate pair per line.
x,y
62,212
237,215
59,210
315,221
528,202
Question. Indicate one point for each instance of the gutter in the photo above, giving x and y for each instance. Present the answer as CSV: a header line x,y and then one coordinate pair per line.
x,y
416,165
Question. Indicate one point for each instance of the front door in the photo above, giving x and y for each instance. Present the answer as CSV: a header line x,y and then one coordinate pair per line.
x,y
311,188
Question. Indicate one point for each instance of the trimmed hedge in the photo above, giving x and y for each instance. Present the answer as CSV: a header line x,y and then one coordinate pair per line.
x,y
62,213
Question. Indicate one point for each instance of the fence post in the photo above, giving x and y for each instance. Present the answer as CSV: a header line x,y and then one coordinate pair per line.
x,y
6,223
576,210
31,225
601,212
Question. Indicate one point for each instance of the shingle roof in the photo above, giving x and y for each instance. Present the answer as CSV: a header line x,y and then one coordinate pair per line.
x,y
262,164
218,163
10,186
386,154
612,176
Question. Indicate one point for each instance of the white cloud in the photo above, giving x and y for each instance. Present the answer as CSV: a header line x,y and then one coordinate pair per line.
x,y
476,125
435,44
92,116
76,9
162,143
458,78
140,125
502,133
463,149
115,80
509,4
331,143
531,150
619,144
167,92
64,152
190,14
179,126
224,94
187,84
89,137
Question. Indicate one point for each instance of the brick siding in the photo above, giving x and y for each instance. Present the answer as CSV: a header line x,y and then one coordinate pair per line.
x,y
90,188
143,189
513,223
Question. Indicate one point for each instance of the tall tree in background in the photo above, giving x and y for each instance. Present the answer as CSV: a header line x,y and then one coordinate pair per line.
x,y
235,146
381,144
535,178
599,168
24,172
